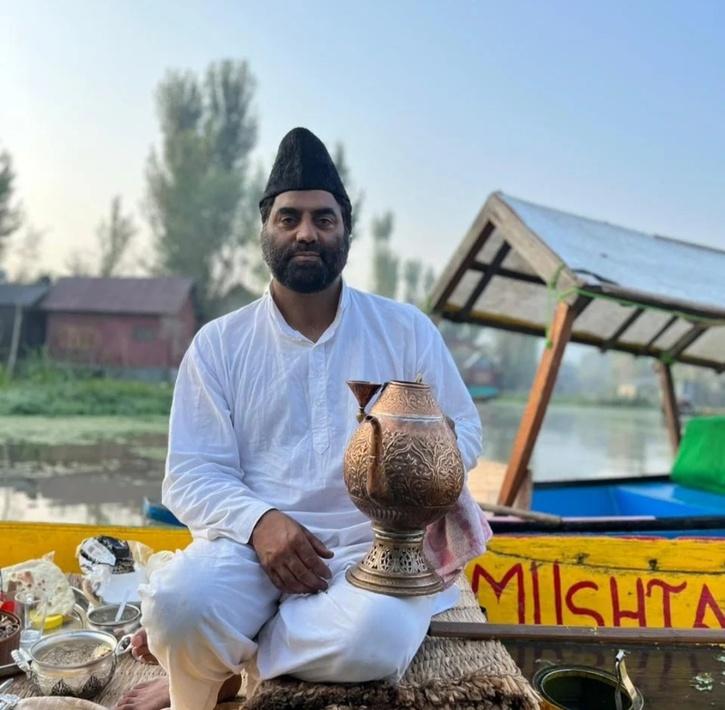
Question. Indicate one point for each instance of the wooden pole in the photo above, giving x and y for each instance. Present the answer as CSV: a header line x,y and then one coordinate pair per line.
x,y
538,401
669,404
15,340
583,634
545,518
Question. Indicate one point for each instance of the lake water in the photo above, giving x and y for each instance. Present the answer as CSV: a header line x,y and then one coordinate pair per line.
x,y
106,483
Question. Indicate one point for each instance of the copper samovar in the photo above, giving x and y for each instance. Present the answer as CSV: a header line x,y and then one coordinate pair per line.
x,y
404,471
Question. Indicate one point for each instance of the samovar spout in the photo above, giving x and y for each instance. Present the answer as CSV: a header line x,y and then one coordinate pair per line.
x,y
376,468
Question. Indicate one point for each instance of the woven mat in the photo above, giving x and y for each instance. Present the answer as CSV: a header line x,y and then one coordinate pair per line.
x,y
446,674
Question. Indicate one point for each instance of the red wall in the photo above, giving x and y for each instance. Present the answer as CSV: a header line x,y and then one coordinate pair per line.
x,y
112,340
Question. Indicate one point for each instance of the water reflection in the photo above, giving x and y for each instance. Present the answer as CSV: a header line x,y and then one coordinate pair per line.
x,y
100,484
582,442
106,483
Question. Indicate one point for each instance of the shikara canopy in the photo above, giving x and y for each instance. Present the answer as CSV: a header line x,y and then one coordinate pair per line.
x,y
639,293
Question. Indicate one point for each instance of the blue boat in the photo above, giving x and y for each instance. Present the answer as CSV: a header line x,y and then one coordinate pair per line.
x,y
481,393
653,496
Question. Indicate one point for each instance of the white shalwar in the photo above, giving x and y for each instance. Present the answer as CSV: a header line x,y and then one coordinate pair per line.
x,y
260,420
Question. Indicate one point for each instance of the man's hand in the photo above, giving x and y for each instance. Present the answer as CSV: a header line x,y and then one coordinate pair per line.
x,y
290,554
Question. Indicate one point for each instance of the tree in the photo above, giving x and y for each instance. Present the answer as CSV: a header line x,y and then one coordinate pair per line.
x,y
356,196
11,216
114,237
76,264
27,255
200,192
412,271
429,279
385,260
516,355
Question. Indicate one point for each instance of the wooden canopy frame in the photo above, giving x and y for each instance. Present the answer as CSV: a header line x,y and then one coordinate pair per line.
x,y
497,215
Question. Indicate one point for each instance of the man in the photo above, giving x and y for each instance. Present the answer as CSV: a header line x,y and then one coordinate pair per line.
x,y
259,424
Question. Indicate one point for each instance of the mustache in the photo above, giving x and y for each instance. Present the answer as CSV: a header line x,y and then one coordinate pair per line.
x,y
310,249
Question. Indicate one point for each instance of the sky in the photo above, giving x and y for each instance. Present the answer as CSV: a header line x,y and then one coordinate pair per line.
x,y
613,110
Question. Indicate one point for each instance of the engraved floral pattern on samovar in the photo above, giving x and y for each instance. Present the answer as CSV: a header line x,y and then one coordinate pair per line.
x,y
404,471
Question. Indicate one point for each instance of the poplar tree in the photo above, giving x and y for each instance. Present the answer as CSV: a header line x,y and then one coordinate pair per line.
x,y
385,261
114,237
201,191
11,216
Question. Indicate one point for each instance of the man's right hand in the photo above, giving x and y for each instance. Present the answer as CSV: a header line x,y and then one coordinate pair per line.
x,y
290,554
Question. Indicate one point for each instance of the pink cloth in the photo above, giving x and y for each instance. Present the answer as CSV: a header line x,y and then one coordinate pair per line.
x,y
457,538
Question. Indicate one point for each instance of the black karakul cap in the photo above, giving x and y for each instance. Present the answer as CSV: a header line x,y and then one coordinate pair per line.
x,y
303,163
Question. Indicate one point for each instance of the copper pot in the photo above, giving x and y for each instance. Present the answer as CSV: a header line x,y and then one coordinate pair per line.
x,y
403,470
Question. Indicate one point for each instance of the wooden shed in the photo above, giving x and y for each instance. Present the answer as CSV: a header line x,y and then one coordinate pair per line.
x,y
22,325
139,326
539,271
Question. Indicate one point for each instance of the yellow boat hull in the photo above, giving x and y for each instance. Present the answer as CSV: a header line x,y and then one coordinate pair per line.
x,y
560,580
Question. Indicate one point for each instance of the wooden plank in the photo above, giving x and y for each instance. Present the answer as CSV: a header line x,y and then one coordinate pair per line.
x,y
515,325
614,337
478,631
508,273
685,341
486,277
479,232
27,541
530,246
660,333
629,582
675,526
686,308
539,396
523,513
484,483
669,404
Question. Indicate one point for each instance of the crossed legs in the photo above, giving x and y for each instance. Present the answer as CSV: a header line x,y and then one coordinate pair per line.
x,y
212,607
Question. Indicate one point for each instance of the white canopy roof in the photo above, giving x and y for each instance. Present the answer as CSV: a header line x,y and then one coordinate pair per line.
x,y
635,292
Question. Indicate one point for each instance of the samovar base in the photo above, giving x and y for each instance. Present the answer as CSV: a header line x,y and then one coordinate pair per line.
x,y
396,565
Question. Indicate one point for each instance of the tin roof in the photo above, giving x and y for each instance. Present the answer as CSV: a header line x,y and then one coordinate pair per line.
x,y
163,295
21,294
638,293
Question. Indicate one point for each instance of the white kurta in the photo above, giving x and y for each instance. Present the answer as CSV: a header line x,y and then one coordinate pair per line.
x,y
260,419
262,415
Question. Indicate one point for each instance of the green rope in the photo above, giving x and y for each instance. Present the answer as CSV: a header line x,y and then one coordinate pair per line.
x,y
554,296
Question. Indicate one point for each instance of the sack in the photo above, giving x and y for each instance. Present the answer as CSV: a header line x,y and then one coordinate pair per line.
x,y
700,461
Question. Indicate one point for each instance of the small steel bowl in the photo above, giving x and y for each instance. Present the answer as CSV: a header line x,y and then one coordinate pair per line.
x,y
101,618
78,680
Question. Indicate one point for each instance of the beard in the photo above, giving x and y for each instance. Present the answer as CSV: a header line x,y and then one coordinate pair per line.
x,y
304,276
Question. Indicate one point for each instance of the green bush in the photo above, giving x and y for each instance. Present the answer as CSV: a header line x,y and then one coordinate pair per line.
x,y
55,396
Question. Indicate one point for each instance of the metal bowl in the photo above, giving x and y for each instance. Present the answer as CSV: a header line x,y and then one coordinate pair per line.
x,y
76,679
584,688
101,618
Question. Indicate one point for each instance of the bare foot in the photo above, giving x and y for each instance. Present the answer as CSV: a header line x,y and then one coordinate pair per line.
x,y
151,695
154,694
140,648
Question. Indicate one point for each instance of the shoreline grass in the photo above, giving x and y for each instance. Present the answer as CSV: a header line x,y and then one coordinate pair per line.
x,y
79,430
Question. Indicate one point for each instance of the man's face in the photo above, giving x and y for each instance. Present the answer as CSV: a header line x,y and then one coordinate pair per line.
x,y
304,240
